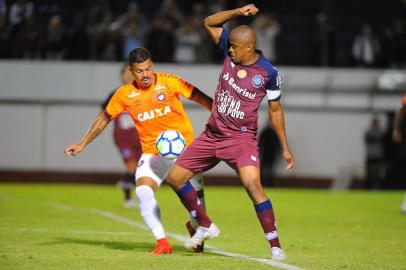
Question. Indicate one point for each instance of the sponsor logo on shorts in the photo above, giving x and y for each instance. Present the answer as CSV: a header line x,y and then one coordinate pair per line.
x,y
254,158
140,163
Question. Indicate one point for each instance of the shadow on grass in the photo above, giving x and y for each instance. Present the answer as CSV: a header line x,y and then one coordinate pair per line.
x,y
118,245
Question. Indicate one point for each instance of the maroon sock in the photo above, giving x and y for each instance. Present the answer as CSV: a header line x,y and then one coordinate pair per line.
x,y
266,217
189,199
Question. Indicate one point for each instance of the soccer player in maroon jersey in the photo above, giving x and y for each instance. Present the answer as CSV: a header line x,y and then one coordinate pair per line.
x,y
230,134
128,143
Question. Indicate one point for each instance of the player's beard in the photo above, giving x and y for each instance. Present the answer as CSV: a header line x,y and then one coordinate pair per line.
x,y
146,81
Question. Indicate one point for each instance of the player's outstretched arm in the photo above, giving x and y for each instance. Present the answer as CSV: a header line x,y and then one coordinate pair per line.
x,y
214,23
201,98
99,124
278,123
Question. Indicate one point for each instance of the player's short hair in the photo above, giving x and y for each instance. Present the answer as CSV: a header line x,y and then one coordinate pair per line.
x,y
138,55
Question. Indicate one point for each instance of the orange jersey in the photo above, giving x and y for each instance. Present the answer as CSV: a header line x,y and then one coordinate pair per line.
x,y
404,99
155,109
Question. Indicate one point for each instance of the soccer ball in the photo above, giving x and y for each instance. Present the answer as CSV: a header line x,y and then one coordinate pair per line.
x,y
170,144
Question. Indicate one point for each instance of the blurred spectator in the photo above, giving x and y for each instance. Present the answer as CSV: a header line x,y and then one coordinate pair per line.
x,y
375,155
365,48
31,39
99,40
267,29
99,17
134,27
170,11
19,12
78,41
4,34
133,38
326,39
133,17
203,49
99,12
56,39
327,42
217,6
160,41
187,39
113,48
395,45
3,10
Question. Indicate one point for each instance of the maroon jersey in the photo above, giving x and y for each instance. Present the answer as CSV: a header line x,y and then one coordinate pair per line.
x,y
124,129
239,93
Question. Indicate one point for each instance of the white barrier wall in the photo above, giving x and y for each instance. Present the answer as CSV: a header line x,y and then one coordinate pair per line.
x,y
33,136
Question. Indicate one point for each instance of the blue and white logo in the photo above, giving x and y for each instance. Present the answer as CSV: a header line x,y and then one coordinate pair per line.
x,y
258,81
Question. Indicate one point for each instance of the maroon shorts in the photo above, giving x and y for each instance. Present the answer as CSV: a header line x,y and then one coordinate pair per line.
x,y
208,150
129,150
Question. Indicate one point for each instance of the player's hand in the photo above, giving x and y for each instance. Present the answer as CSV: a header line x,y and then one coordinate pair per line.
x,y
74,149
248,10
287,155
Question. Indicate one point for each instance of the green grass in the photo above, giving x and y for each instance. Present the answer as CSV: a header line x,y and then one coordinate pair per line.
x,y
51,227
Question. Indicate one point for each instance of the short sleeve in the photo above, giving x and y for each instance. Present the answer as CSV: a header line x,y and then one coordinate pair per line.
x,y
274,86
223,42
180,86
116,105
404,100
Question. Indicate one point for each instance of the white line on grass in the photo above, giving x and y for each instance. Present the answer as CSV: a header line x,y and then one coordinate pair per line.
x,y
143,227
183,238
46,230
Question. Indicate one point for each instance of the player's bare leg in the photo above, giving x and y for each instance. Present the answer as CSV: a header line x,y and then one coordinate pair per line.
x,y
178,179
150,212
263,206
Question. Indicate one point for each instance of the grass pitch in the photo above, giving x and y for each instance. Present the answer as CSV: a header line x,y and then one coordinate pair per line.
x,y
54,226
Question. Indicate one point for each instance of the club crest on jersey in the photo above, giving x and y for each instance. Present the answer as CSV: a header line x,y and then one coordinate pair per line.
x,y
242,73
258,81
161,97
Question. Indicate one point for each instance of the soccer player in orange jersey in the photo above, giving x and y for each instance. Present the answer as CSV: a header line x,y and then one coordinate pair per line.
x,y
153,101
127,142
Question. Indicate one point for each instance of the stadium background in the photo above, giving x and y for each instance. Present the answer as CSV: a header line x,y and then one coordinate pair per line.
x,y
49,95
